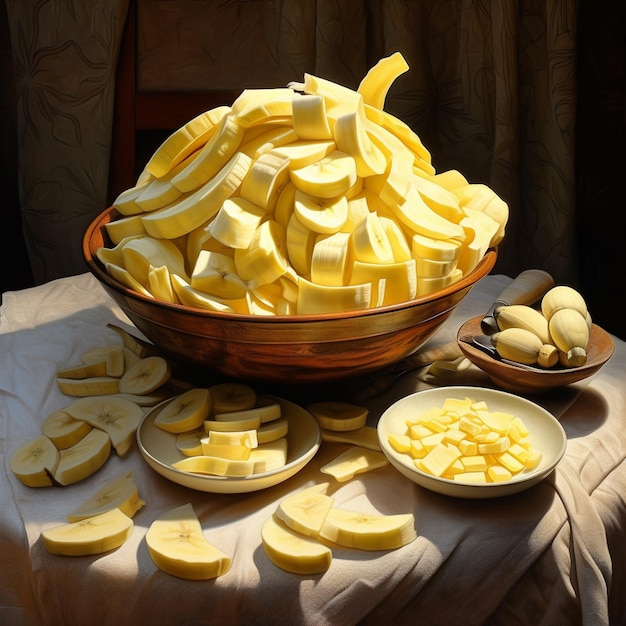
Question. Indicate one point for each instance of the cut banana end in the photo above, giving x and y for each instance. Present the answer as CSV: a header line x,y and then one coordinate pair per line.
x,y
292,551
93,535
115,416
178,547
118,493
305,511
185,412
34,462
83,458
146,375
64,430
338,416
367,531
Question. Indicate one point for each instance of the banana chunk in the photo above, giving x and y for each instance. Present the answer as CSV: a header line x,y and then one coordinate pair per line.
x,y
93,535
35,462
83,458
178,547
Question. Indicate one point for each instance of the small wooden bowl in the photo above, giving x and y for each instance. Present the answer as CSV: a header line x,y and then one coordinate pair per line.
x,y
521,379
287,348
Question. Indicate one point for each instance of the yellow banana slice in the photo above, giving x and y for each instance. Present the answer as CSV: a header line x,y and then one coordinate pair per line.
x,y
397,239
320,215
329,177
331,259
216,274
269,456
300,241
200,300
196,208
93,535
231,425
184,141
190,442
353,461
141,253
438,198
302,153
337,415
257,106
117,417
272,431
425,247
215,466
83,458
146,375
265,179
264,413
292,551
370,242
123,227
283,208
34,462
178,546
376,83
92,386
232,396
352,138
265,259
97,368
186,411
117,493
236,222
230,452
256,143
111,354
246,438
358,209
368,531
314,299
305,511
63,430
215,153
160,284
394,185
309,117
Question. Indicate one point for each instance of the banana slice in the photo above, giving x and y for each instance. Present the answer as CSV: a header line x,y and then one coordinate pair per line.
x,y
34,462
83,458
265,179
139,347
321,215
271,431
314,298
353,461
117,493
93,535
93,386
223,425
215,273
64,430
186,411
178,547
265,413
269,456
111,354
117,417
331,259
190,442
229,397
146,375
160,284
215,466
330,177
367,531
378,80
370,241
305,511
309,117
236,222
338,416
292,551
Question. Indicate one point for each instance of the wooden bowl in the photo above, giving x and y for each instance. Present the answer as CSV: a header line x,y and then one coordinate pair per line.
x,y
282,349
521,379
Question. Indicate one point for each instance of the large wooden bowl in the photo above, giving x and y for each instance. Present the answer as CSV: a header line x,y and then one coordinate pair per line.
x,y
520,379
282,349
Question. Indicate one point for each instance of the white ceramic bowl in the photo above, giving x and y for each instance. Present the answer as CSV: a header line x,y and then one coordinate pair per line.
x,y
546,435
158,448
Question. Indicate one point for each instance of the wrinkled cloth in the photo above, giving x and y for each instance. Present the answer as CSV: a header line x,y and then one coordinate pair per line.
x,y
552,555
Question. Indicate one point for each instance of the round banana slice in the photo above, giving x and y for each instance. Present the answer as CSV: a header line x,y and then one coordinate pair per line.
x,y
63,429
229,397
185,412
338,416
145,376
34,462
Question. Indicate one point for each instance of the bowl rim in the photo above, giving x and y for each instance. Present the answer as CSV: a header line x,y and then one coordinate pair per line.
x,y
482,269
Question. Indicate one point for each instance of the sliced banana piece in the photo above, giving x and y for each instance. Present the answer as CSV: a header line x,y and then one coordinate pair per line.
x,y
269,456
111,354
117,417
178,547
215,466
186,411
305,511
83,458
93,386
34,462
146,375
355,460
229,397
93,535
63,429
365,531
265,413
338,416
190,442
292,551
117,493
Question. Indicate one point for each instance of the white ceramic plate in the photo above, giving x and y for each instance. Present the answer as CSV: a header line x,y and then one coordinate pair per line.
x,y
546,435
158,448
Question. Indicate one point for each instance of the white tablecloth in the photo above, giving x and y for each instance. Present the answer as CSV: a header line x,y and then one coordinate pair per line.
x,y
553,555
